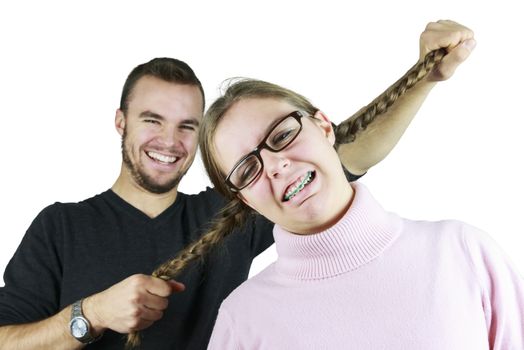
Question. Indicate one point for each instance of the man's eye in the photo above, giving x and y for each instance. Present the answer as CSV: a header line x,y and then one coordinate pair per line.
x,y
152,121
188,127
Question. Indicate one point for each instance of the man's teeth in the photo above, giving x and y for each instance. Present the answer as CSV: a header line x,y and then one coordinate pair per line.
x,y
299,185
162,158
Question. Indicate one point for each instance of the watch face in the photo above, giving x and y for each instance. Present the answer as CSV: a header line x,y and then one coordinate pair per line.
x,y
78,328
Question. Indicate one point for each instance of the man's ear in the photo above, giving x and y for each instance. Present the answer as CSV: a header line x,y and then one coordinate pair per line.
x,y
120,121
325,125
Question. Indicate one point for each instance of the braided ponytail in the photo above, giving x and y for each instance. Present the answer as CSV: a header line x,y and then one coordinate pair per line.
x,y
233,215
347,131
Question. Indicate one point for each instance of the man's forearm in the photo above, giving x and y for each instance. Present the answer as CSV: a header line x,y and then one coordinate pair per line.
x,y
374,143
51,333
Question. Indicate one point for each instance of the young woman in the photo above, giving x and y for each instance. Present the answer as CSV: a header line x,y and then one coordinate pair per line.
x,y
349,274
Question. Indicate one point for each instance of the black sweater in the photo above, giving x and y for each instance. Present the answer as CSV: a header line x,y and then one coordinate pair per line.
x,y
74,250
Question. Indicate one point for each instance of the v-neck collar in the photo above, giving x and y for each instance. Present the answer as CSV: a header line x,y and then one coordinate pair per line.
x,y
139,215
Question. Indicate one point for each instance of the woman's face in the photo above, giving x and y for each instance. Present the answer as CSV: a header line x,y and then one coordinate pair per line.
x,y
302,187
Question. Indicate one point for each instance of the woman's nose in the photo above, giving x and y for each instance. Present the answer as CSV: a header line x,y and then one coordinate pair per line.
x,y
275,164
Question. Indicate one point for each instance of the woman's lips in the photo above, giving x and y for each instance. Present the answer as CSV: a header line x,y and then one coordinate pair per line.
x,y
296,187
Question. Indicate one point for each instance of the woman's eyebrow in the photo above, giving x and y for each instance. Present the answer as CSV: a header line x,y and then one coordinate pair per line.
x,y
275,122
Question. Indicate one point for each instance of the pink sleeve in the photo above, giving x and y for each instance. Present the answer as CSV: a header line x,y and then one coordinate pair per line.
x,y
223,337
503,291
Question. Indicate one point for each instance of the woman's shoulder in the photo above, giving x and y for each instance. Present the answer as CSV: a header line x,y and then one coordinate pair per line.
x,y
436,229
443,237
253,291
451,236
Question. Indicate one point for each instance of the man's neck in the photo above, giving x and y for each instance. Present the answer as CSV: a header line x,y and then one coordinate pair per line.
x,y
151,204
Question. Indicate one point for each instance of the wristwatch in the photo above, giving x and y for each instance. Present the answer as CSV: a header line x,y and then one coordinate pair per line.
x,y
79,326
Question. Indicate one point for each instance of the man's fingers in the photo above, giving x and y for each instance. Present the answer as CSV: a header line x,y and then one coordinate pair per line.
x,y
150,315
143,324
176,286
154,302
163,288
454,58
443,33
157,286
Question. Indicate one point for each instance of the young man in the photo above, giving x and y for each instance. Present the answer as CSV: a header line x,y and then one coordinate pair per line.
x,y
80,274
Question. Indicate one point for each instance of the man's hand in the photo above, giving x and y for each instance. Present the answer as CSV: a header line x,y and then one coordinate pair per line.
x,y
131,305
457,39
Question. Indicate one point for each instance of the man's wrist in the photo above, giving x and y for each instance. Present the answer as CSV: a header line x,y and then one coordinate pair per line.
x,y
426,84
89,310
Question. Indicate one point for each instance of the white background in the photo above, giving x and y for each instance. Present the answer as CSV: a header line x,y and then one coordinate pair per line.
x,y
62,67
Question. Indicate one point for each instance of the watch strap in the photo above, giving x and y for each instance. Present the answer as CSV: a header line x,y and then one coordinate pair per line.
x,y
76,313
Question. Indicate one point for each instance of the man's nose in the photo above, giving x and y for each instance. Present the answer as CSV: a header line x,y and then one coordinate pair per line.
x,y
169,137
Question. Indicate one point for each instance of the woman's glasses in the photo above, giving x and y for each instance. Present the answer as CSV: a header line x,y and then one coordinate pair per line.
x,y
279,137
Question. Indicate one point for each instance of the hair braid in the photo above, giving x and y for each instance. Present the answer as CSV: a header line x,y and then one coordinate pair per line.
x,y
346,131
233,215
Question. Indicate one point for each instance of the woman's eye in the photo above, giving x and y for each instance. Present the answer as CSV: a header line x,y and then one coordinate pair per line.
x,y
282,137
248,172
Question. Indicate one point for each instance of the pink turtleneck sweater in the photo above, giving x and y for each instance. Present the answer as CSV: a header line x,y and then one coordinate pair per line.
x,y
378,281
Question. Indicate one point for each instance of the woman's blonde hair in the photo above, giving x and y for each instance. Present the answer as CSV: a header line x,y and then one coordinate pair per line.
x,y
235,213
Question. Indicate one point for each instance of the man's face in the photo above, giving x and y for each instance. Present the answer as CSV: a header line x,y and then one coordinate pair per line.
x,y
160,132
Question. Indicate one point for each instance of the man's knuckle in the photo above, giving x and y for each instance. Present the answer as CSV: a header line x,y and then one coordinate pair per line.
x,y
455,37
135,298
140,279
431,25
134,324
461,55
136,313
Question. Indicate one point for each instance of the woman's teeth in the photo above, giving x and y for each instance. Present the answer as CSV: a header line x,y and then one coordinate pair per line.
x,y
293,190
161,158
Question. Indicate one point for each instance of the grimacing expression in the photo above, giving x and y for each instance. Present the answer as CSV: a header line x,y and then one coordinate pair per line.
x,y
160,132
302,187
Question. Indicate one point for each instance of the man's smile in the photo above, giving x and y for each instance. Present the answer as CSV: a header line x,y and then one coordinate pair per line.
x,y
162,158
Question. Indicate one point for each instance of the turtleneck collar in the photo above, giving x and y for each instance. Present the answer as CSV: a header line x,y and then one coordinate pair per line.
x,y
362,234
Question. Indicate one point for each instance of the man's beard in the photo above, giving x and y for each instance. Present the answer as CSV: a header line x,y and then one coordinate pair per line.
x,y
144,180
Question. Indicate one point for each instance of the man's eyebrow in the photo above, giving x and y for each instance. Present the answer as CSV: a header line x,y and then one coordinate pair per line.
x,y
152,115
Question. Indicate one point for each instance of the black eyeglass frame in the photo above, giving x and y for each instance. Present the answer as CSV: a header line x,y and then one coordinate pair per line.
x,y
297,115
